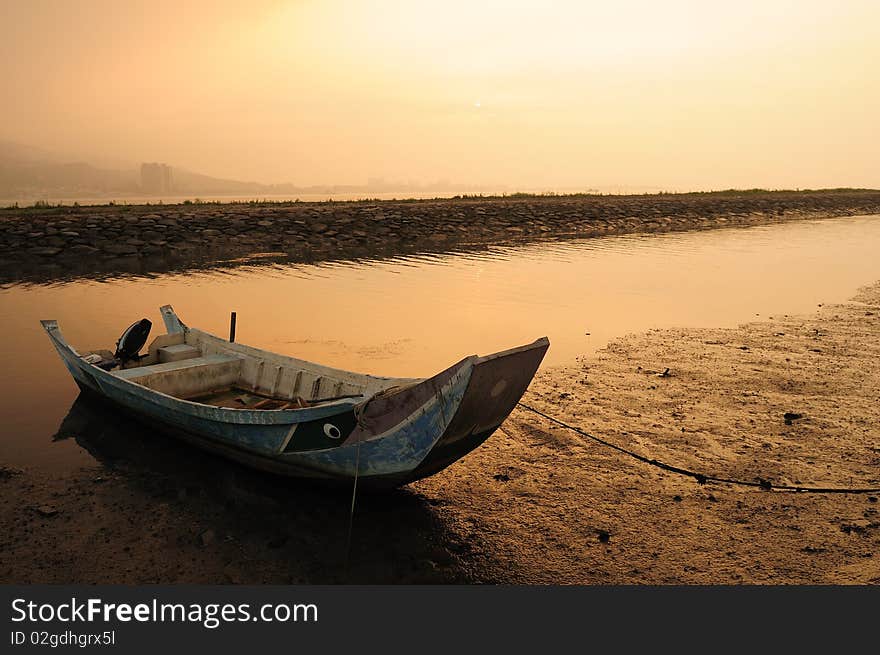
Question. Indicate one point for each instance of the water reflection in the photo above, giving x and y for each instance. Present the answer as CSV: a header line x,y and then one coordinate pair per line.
x,y
299,530
210,261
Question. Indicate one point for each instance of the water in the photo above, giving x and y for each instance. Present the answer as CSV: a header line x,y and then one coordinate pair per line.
x,y
414,316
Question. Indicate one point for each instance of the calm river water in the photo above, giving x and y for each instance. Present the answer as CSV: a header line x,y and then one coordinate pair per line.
x,y
414,316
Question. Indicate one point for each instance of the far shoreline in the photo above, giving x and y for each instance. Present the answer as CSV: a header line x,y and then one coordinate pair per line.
x,y
144,200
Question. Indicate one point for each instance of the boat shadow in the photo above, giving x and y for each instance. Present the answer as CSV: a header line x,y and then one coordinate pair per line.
x,y
288,530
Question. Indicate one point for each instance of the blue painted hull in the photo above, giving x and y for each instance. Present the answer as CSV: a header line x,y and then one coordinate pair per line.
x,y
395,438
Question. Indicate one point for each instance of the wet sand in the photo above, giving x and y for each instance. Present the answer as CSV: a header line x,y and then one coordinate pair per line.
x,y
567,510
52,244
536,503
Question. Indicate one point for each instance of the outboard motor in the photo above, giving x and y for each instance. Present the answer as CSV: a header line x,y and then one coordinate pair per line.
x,y
132,340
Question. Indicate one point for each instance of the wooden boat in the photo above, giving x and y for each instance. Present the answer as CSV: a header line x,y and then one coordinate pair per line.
x,y
297,418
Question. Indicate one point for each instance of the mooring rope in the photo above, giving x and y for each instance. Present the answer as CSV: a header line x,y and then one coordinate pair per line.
x,y
357,468
701,478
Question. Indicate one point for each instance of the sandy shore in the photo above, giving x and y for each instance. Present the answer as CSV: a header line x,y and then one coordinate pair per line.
x,y
720,411
536,503
57,243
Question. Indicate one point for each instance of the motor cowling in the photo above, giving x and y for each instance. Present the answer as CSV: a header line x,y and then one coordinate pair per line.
x,y
132,340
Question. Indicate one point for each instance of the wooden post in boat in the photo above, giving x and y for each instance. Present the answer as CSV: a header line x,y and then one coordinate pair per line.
x,y
232,328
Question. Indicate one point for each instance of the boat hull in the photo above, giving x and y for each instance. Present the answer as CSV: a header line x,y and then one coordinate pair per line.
x,y
392,439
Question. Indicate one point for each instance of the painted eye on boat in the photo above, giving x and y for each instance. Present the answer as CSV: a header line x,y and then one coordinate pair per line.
x,y
332,431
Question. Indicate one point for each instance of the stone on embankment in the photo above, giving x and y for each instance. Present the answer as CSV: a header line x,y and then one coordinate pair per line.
x,y
81,249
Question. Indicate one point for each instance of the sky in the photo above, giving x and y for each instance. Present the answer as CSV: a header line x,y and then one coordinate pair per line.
x,y
535,95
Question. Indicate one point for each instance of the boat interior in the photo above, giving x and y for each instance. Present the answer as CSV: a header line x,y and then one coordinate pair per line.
x,y
200,367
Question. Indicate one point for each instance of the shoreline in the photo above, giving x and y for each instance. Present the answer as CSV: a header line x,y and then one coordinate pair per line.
x,y
59,243
534,504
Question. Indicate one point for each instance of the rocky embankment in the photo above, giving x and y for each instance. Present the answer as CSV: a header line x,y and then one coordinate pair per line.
x,y
60,242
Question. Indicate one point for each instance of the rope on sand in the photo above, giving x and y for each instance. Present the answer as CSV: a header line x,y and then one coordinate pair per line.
x,y
357,469
700,477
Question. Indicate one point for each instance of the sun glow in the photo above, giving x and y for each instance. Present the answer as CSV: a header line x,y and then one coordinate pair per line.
x,y
679,95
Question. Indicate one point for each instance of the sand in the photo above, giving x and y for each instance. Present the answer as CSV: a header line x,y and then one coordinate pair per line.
x,y
721,411
536,503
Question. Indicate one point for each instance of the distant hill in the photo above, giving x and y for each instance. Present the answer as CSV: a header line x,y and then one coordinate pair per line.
x,y
188,182
18,153
30,172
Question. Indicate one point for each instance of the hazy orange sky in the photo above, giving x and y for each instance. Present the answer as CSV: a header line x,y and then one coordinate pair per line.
x,y
531,94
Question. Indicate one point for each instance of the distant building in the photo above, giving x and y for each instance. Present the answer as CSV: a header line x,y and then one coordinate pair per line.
x,y
156,178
